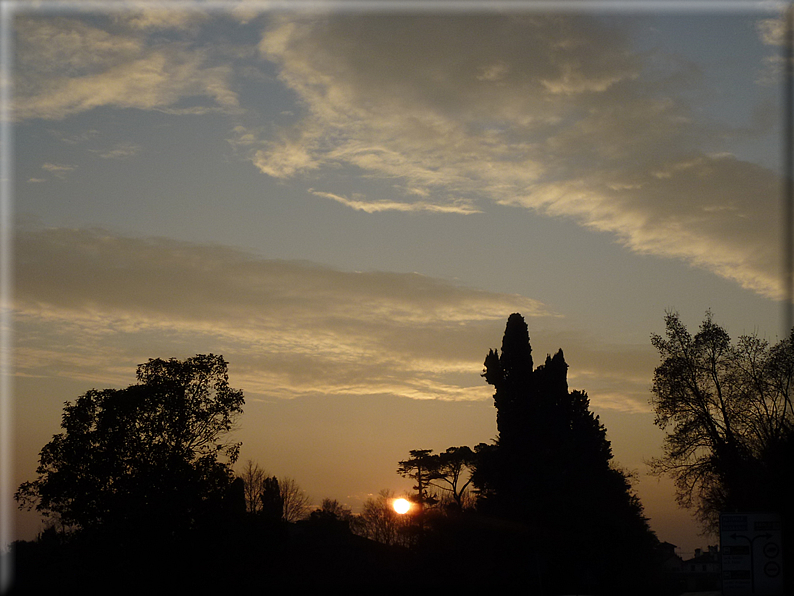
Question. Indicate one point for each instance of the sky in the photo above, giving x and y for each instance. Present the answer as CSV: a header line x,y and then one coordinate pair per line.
x,y
347,204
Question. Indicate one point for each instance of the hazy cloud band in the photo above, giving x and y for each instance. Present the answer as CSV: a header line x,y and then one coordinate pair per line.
x,y
90,306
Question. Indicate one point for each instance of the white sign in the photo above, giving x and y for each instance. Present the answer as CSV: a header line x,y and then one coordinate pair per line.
x,y
751,554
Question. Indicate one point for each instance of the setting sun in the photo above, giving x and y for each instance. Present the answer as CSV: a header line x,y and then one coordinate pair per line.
x,y
401,506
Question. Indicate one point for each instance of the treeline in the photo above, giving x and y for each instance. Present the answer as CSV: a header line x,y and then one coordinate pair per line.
x,y
140,484
142,497
282,500
550,512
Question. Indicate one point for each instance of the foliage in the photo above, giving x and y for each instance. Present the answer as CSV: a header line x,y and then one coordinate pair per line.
x,y
550,473
277,498
332,507
445,472
333,516
450,471
272,503
155,454
547,434
419,467
727,410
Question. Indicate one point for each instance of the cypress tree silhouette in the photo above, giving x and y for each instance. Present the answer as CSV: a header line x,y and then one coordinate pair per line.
x,y
550,473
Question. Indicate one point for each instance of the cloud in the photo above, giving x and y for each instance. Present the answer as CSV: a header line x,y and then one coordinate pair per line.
x,y
58,170
90,305
57,167
66,66
616,377
75,139
556,114
772,31
119,151
161,18
461,207
68,47
285,158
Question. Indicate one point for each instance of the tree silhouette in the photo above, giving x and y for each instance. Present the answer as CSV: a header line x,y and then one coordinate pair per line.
x,y
333,509
728,412
550,472
271,499
295,501
253,478
333,516
154,455
379,521
445,472
420,467
450,471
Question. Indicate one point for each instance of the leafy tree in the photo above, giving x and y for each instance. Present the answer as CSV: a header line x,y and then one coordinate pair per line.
x,y
450,471
546,432
511,374
154,455
332,507
334,516
728,416
444,471
271,499
281,497
420,467
550,472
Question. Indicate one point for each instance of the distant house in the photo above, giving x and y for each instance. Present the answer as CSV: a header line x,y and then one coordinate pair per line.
x,y
670,561
704,562
702,572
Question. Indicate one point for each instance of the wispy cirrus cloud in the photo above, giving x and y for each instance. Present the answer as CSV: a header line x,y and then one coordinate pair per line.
x,y
66,66
557,114
359,203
